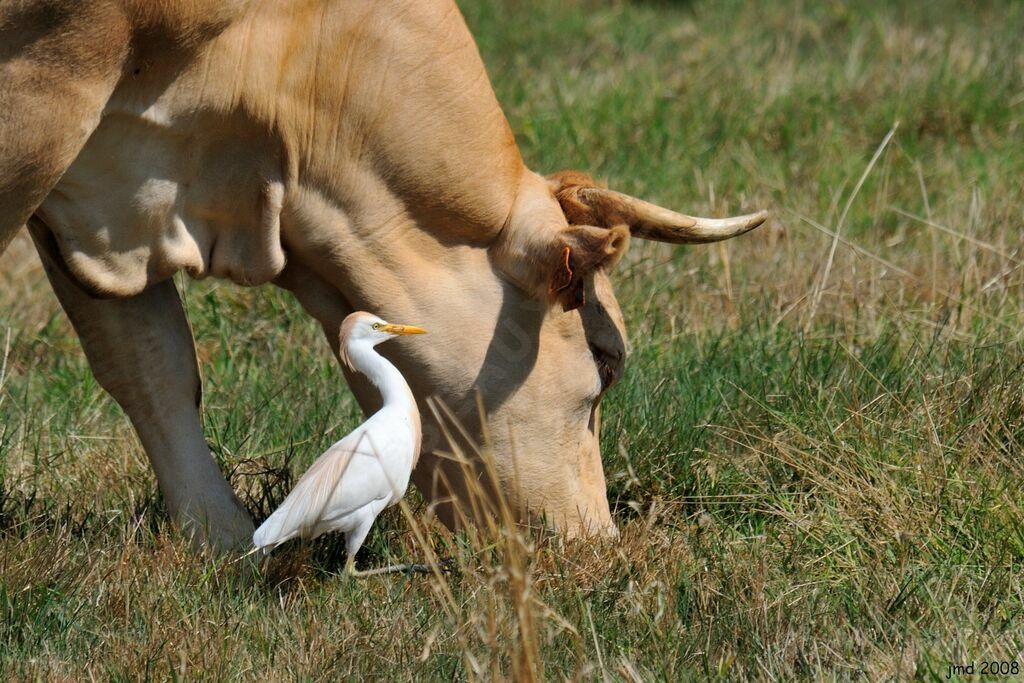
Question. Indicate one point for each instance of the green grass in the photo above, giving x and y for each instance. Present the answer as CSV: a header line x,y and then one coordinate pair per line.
x,y
816,468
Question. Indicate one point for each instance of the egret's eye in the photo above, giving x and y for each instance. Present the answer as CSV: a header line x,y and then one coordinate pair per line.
x,y
377,326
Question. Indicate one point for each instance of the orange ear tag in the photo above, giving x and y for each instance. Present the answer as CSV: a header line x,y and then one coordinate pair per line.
x,y
562,277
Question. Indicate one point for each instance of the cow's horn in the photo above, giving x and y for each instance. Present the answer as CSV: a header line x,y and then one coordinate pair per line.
x,y
652,222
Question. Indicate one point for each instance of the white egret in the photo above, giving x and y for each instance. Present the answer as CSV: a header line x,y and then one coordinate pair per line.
x,y
368,470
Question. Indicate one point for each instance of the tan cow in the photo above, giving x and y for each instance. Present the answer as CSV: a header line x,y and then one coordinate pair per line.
x,y
352,152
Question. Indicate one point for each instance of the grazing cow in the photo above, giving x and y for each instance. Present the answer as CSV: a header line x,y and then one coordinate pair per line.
x,y
353,152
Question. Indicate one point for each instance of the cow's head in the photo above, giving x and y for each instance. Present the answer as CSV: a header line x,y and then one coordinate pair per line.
x,y
560,342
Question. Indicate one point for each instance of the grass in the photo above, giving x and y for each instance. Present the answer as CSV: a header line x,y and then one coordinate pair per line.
x,y
815,462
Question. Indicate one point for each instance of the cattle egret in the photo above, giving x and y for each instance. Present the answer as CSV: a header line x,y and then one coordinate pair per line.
x,y
368,470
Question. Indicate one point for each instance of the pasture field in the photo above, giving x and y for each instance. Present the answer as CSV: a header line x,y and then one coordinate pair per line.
x,y
815,455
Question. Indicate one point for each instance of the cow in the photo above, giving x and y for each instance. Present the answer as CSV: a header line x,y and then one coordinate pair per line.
x,y
354,153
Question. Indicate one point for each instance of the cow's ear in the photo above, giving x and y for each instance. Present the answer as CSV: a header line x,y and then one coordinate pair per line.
x,y
583,250
545,255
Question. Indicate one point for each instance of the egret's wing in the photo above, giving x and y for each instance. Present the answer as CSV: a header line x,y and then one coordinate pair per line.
x,y
354,458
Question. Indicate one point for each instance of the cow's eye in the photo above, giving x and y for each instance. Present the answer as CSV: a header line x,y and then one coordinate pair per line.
x,y
609,365
605,372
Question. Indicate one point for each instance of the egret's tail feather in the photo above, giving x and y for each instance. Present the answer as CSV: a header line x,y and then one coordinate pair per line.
x,y
272,532
303,509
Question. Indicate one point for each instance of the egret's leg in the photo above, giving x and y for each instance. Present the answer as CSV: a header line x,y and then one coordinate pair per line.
x,y
354,541
140,349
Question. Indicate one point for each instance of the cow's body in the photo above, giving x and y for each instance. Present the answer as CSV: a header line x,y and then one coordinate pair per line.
x,y
352,152
204,161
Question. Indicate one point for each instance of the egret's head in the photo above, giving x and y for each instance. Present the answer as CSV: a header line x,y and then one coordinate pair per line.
x,y
366,327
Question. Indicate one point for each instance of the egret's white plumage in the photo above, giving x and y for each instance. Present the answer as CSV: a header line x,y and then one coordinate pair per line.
x,y
368,470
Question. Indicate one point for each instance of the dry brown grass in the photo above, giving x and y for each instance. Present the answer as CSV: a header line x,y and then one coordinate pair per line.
x,y
815,476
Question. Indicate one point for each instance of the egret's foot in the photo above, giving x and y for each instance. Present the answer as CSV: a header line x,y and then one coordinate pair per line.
x,y
442,566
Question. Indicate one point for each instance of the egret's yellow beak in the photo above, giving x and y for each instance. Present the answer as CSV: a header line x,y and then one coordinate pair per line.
x,y
403,329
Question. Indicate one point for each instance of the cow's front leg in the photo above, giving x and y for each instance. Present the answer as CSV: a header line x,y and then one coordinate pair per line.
x,y
141,351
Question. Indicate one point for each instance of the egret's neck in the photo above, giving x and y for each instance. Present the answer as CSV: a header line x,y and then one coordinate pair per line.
x,y
394,390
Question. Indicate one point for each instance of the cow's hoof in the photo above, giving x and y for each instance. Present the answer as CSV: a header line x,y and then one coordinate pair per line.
x,y
222,527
